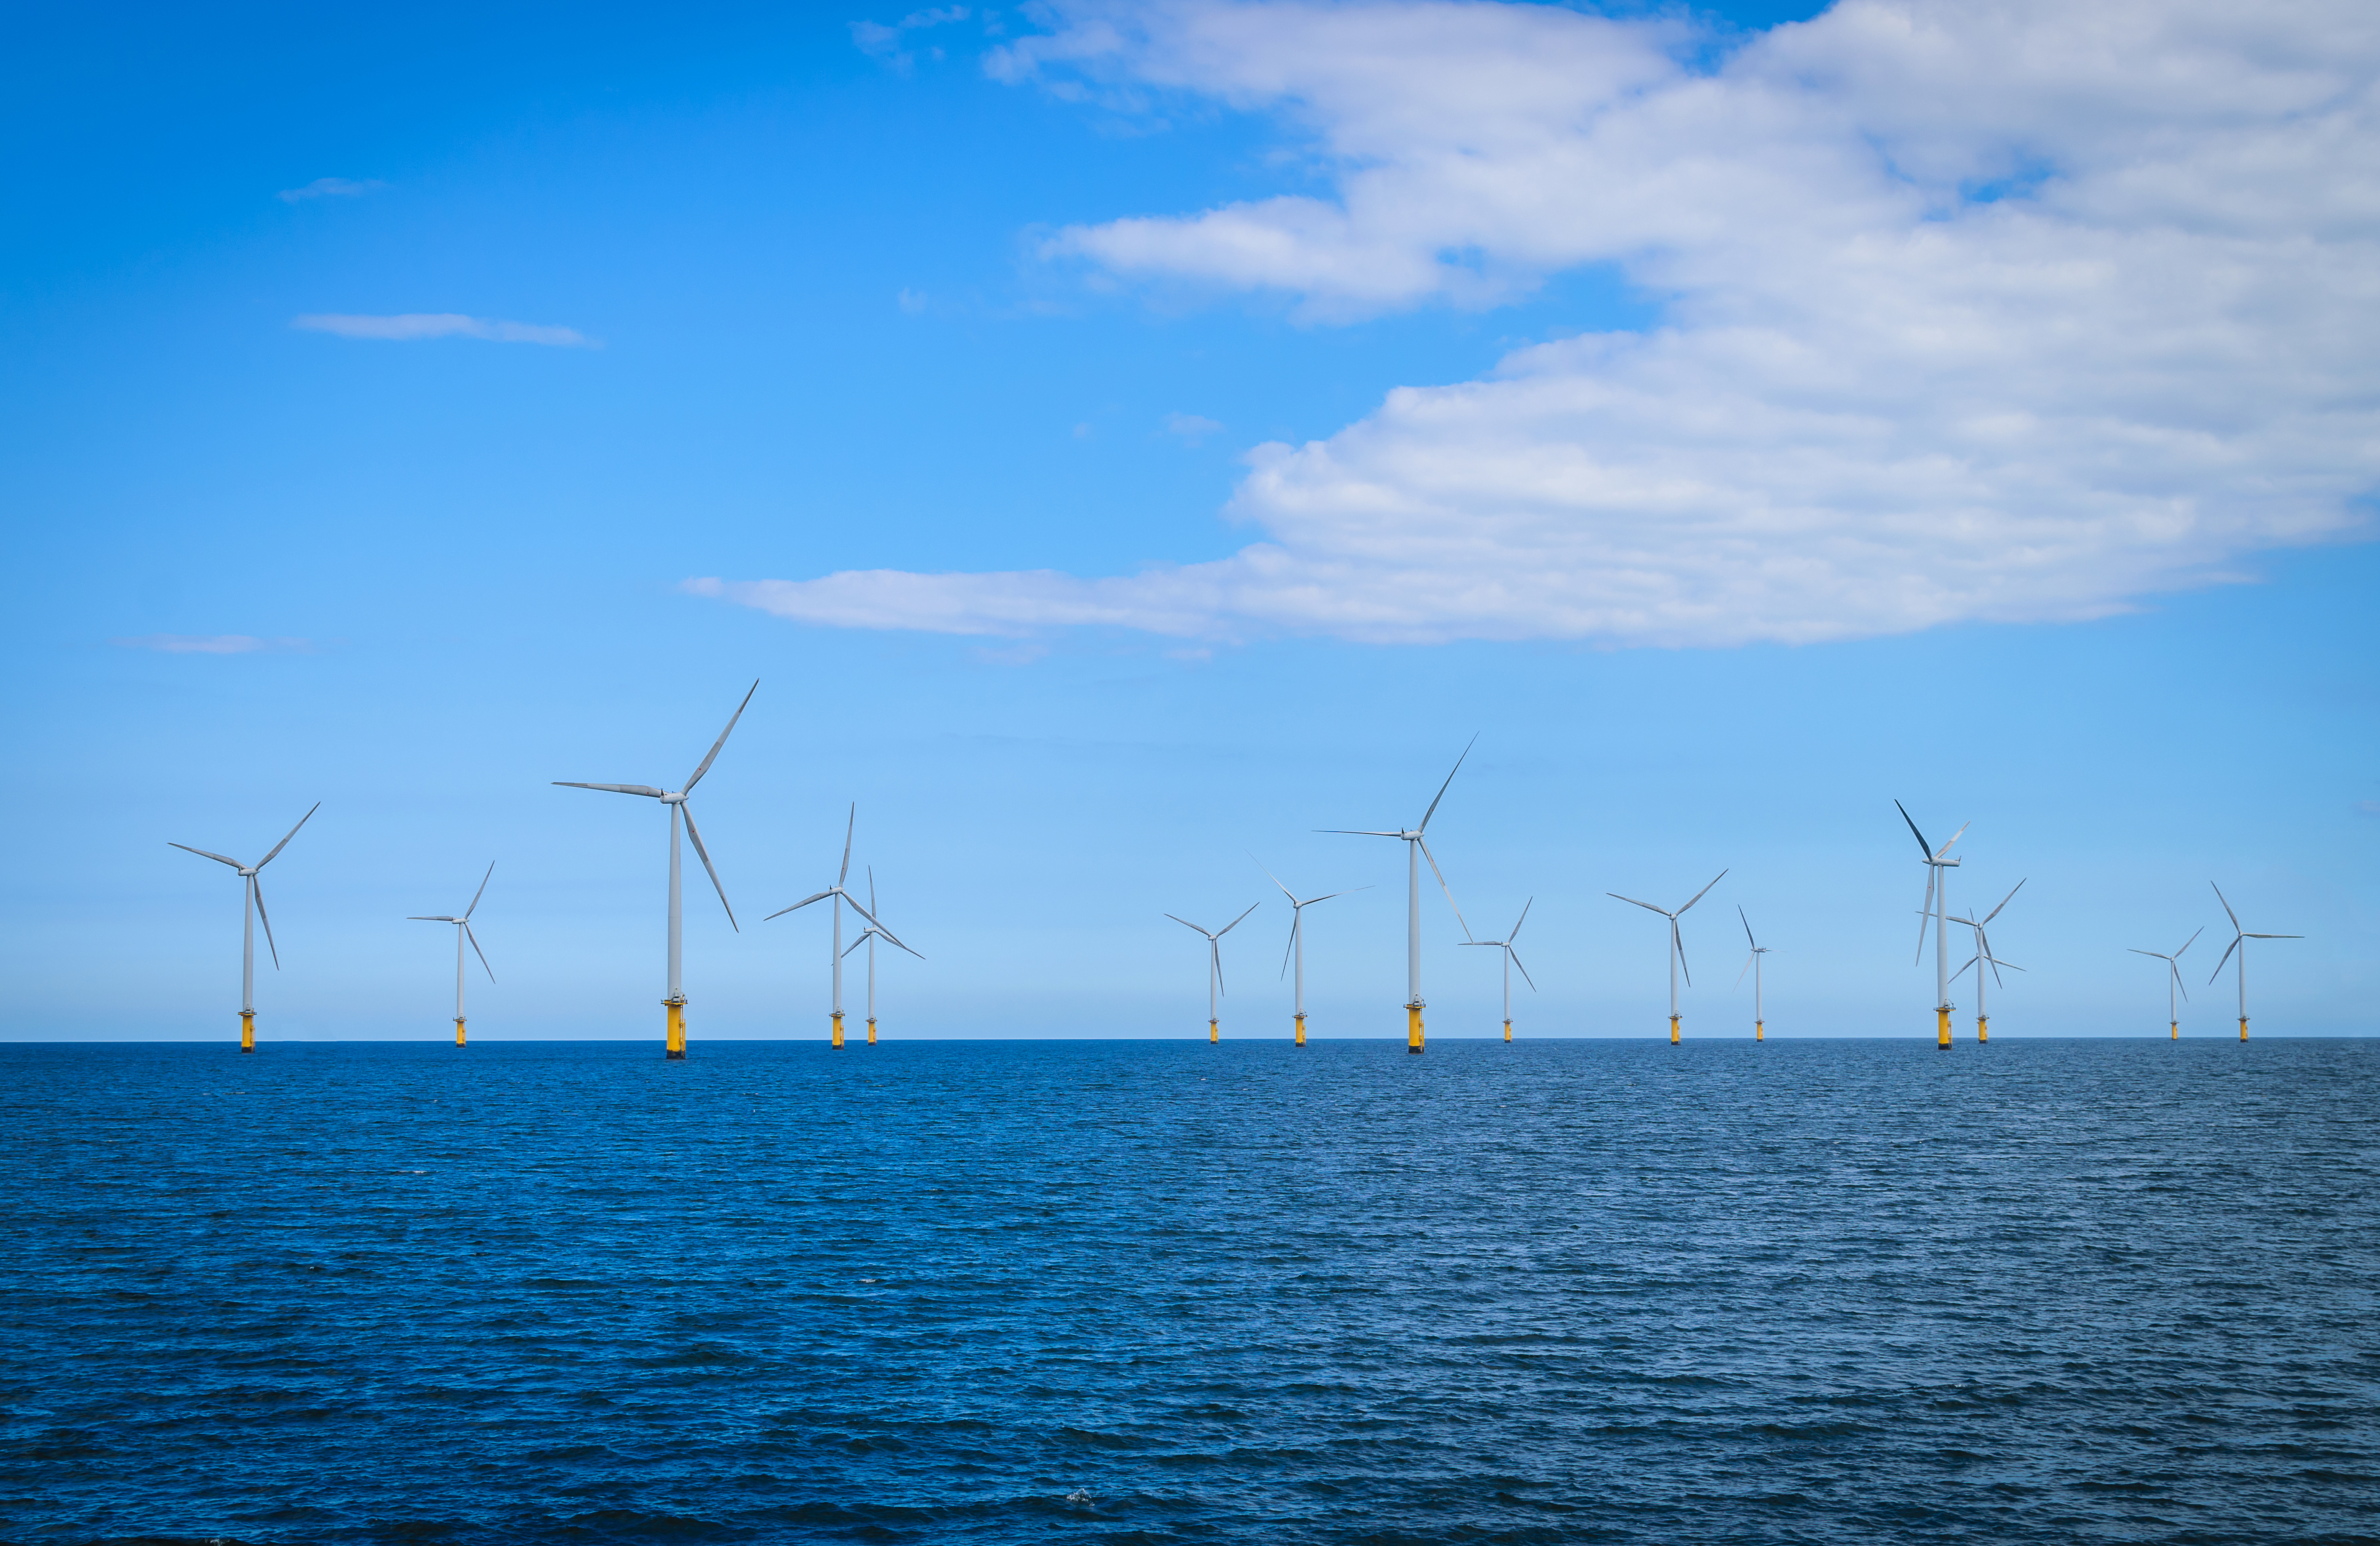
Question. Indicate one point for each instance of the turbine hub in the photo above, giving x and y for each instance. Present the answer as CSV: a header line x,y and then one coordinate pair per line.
x,y
678,798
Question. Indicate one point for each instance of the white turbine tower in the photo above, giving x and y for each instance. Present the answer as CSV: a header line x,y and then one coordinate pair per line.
x,y
2239,938
2173,981
1752,964
463,931
1984,957
1297,941
1215,966
1418,849
1677,943
674,1044
869,937
840,897
251,912
1511,959
1937,907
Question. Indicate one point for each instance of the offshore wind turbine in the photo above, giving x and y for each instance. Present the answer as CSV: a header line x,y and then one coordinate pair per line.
x,y
1752,964
1984,957
1297,940
2173,981
674,1041
2239,938
1677,943
1937,907
1215,966
463,931
841,897
252,912
1511,959
869,937
1418,849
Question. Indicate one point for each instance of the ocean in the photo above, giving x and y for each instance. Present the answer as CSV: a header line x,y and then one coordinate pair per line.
x,y
1156,1292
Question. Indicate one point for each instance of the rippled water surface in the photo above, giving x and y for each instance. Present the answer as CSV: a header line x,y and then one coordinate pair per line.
x,y
1156,1292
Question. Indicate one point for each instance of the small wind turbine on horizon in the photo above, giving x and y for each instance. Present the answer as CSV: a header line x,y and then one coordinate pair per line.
x,y
1752,964
2239,938
252,912
1984,957
841,897
673,1044
1511,959
1215,966
463,931
2173,981
1297,941
869,937
1937,909
1418,849
1677,943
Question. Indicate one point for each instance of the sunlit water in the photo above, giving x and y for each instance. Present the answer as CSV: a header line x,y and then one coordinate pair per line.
x,y
1156,1292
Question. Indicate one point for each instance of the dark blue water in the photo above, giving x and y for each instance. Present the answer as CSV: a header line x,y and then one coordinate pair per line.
x,y
1167,1292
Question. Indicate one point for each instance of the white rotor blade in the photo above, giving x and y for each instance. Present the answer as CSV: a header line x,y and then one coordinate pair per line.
x,y
1296,917
2181,986
1926,913
818,896
848,828
292,831
1236,923
1276,880
703,854
1677,943
1442,788
1187,924
1747,934
1646,905
1961,971
864,935
2272,936
1706,891
2227,906
722,738
203,854
1215,953
1923,846
1954,839
877,922
476,950
2187,942
1525,971
1747,969
267,922
645,789
481,891
1350,832
1524,918
2227,956
2006,900
1442,874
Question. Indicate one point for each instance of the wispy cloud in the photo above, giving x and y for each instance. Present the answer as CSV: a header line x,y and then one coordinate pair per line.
x,y
411,325
216,644
884,43
1190,427
331,187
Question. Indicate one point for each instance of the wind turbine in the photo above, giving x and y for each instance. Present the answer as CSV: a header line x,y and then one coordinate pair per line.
x,y
1511,959
1297,940
463,931
674,1044
841,897
1937,907
1215,966
2173,981
1677,944
2238,941
251,910
1984,957
1752,964
1418,849
869,937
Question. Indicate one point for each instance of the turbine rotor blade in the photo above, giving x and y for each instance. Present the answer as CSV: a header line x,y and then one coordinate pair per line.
x,y
1442,874
1237,922
481,891
1350,832
2272,936
722,738
849,827
1525,971
476,950
704,855
1747,969
2227,909
1442,788
2187,942
1925,913
1923,846
2006,900
1276,880
292,831
2227,956
873,921
1296,918
1187,924
1747,935
645,789
1706,891
1954,838
1215,959
1524,918
262,917
819,896
203,854
1677,943
1646,905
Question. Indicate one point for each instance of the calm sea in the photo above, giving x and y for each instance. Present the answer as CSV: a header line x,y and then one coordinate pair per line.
x,y
1160,1292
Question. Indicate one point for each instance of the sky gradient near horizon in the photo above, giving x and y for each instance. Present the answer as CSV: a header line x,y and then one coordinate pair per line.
x,y
1124,439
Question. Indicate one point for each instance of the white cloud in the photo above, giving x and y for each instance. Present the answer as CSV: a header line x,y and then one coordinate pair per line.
x,y
1192,427
329,187
216,644
441,325
883,42
2013,311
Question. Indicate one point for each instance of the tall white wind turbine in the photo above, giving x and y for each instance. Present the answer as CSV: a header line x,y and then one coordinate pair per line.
x,y
1677,943
1418,849
1752,964
1937,908
463,931
869,937
674,1044
1215,966
1297,941
840,897
1511,959
2239,938
1984,959
251,912
2173,981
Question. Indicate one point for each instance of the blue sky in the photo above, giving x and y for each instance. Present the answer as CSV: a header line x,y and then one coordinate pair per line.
x,y
830,309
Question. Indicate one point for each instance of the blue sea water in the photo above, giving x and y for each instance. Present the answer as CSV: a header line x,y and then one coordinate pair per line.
x,y
1163,1291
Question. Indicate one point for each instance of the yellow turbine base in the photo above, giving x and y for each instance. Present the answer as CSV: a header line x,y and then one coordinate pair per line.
x,y
1982,1029
2243,1027
1214,1032
1508,1031
1942,1028
458,1031
1301,1030
872,1030
247,1030
838,1027
2177,1030
1413,1028
1759,1032
1673,1030
674,1047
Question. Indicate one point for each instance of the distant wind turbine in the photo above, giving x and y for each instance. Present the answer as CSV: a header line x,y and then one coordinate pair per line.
x,y
1752,964
1677,943
1215,966
1937,907
1418,849
869,937
1297,941
674,1044
840,897
1984,957
463,931
251,912
1511,959
2239,938
2173,981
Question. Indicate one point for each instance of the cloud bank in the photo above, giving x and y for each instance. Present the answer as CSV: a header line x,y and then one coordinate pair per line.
x,y
441,325
2009,311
